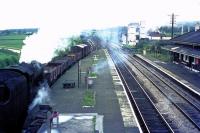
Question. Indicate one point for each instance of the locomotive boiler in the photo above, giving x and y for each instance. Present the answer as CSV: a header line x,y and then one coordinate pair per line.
x,y
18,87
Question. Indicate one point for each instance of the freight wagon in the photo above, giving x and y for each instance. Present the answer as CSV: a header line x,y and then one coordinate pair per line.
x,y
54,69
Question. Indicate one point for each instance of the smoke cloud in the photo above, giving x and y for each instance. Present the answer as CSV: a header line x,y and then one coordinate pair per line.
x,y
54,35
99,67
41,46
42,96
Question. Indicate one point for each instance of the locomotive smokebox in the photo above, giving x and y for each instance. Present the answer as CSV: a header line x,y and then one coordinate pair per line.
x,y
18,87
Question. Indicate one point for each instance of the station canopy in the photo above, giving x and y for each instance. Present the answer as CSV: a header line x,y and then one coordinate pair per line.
x,y
183,50
190,38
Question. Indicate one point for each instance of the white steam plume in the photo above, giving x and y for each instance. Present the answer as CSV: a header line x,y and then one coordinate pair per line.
x,y
41,46
100,66
42,96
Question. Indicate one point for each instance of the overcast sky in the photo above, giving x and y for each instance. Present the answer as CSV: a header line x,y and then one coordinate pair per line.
x,y
82,14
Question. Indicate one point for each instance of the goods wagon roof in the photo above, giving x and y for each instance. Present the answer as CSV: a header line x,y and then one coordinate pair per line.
x,y
81,45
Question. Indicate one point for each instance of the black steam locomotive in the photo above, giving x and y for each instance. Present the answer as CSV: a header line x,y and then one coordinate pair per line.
x,y
19,86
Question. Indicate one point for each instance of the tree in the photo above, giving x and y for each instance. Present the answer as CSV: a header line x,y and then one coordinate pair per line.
x,y
93,32
61,52
74,40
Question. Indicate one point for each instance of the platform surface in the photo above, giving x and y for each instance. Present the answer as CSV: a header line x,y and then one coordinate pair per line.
x,y
110,98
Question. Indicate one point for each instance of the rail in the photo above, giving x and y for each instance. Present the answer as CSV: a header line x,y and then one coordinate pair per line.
x,y
186,105
150,118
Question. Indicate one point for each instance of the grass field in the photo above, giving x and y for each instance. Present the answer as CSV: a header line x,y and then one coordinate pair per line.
x,y
12,41
12,36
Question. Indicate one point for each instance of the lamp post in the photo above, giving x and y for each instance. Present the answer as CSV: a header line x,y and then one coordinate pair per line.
x,y
78,73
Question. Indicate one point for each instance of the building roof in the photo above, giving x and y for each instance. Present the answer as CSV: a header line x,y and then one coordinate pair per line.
x,y
190,38
183,50
81,45
156,34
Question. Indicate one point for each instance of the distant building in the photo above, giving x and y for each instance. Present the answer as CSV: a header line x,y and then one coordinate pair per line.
x,y
158,36
185,49
133,33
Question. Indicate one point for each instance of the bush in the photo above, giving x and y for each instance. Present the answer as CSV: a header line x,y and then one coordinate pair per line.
x,y
92,74
61,52
8,58
8,61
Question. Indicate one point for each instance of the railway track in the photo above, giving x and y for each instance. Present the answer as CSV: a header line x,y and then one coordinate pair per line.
x,y
184,102
183,107
149,117
187,104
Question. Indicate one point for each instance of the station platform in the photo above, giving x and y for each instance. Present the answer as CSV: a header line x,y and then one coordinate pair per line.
x,y
111,104
178,72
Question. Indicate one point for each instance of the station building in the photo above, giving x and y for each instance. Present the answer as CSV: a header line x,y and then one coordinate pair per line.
x,y
185,49
133,33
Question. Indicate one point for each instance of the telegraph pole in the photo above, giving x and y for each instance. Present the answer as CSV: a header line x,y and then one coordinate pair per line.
x,y
78,74
172,25
172,21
